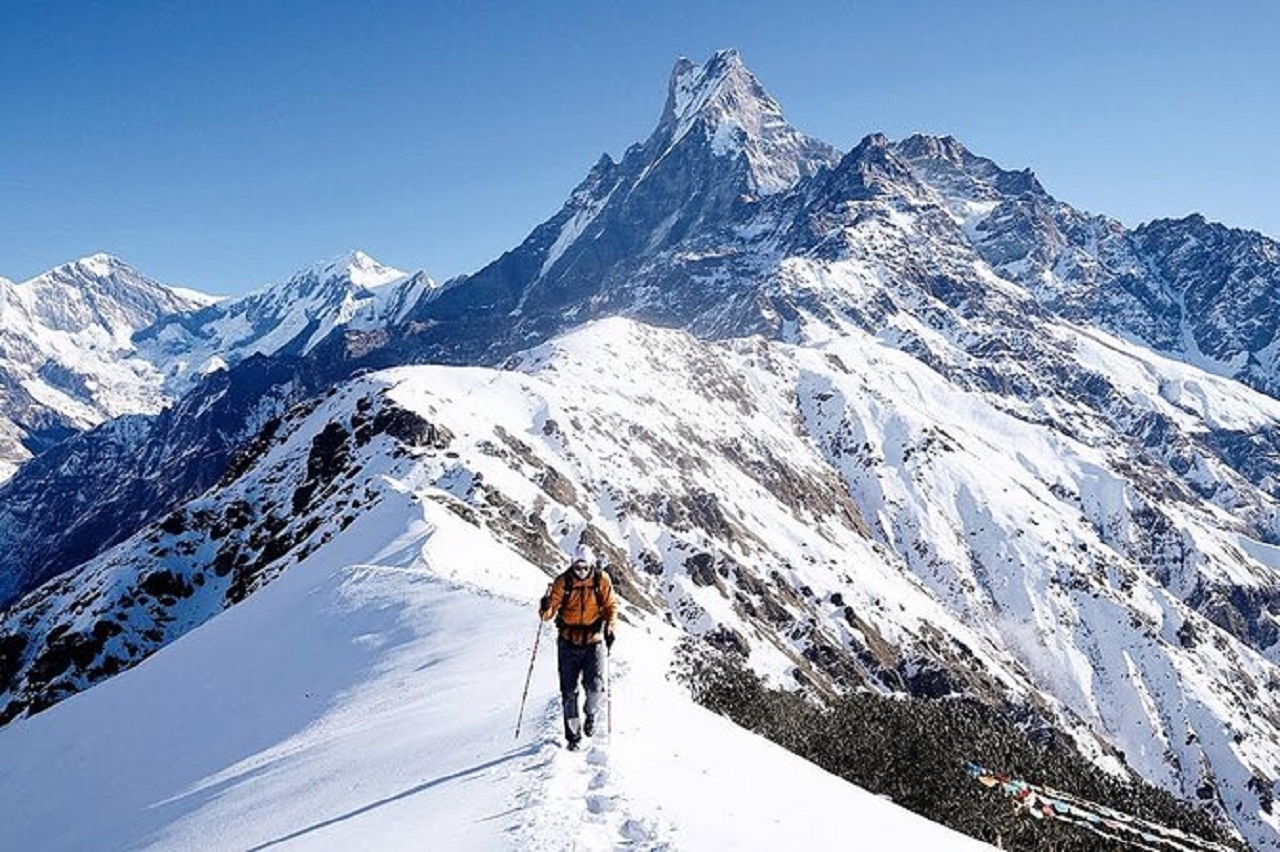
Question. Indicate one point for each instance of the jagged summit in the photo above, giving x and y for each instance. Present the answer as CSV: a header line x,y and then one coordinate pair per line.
x,y
721,145
738,117
871,168
922,145
957,171
1194,222
723,87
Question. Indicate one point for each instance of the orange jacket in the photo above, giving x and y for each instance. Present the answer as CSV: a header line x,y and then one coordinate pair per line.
x,y
583,609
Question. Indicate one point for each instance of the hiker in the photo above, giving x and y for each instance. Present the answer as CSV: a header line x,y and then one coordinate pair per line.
x,y
582,603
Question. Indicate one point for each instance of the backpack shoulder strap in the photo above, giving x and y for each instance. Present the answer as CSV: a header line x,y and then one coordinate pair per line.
x,y
597,573
565,579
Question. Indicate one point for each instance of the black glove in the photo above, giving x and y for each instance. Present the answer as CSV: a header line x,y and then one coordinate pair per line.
x,y
545,603
608,639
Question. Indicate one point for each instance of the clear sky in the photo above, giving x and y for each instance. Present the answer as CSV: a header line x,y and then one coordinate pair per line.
x,y
222,145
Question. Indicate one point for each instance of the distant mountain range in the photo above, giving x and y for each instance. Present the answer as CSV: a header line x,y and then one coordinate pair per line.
x,y
894,418
65,344
95,339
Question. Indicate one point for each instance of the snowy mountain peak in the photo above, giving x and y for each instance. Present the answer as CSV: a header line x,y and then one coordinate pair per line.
x,y
717,84
99,264
104,273
959,174
352,291
925,146
87,270
101,290
738,118
66,351
356,266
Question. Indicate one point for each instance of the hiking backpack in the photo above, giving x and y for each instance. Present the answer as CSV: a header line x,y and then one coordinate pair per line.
x,y
596,572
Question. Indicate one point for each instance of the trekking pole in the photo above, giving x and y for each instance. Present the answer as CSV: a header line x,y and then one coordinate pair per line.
x,y
529,677
608,691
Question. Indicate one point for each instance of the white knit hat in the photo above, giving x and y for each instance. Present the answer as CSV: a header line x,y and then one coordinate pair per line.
x,y
584,553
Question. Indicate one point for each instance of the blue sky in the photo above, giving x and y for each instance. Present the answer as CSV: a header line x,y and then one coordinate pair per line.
x,y
221,145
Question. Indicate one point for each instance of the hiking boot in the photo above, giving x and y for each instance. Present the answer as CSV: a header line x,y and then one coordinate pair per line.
x,y
572,745
589,725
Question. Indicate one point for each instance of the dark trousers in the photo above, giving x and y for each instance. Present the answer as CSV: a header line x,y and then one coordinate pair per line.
x,y
585,662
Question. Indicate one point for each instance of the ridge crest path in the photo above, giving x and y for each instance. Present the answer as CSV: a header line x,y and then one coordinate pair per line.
x,y
574,800
363,701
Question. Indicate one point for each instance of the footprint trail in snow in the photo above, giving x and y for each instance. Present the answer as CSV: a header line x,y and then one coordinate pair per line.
x,y
574,798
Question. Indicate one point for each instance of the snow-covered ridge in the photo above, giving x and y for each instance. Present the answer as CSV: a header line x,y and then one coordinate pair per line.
x,y
959,412
356,266
350,291
326,709
840,510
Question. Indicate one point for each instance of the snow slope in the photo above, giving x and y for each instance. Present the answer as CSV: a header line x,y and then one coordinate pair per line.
x,y
839,510
366,701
